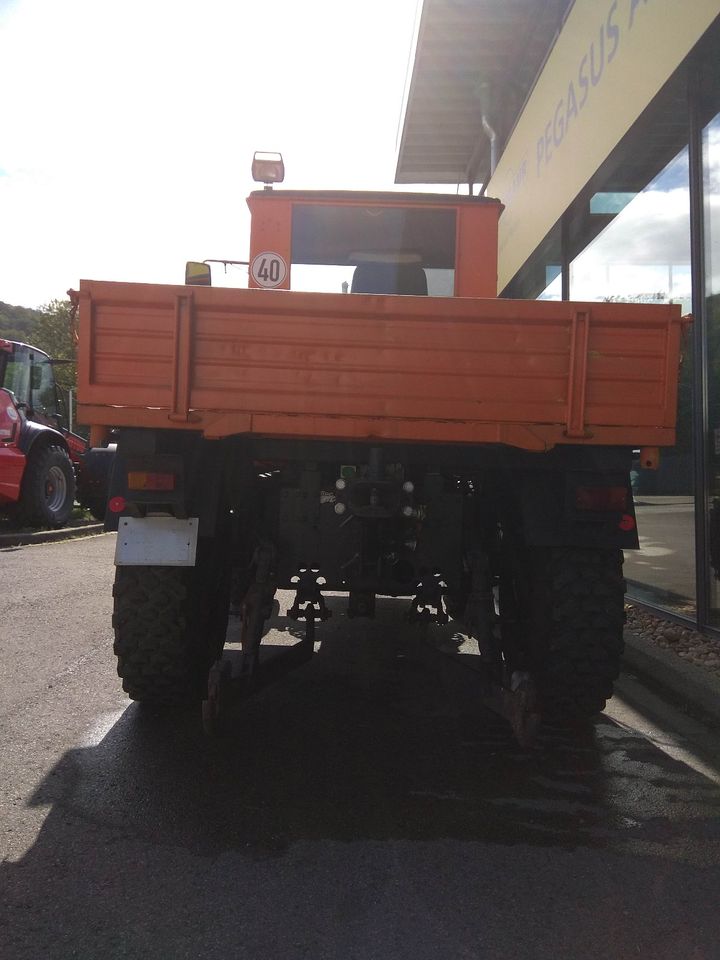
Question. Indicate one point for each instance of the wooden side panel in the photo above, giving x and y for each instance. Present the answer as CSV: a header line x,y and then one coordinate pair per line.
x,y
410,368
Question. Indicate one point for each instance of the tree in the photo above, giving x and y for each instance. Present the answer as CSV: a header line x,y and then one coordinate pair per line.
x,y
55,334
17,323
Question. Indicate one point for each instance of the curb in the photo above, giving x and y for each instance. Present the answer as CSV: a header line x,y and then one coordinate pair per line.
x,y
22,539
697,689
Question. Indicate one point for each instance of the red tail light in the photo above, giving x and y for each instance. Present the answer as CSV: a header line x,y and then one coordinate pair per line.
x,y
602,499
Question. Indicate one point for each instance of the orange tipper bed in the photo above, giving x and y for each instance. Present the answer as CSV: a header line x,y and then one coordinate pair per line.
x,y
532,374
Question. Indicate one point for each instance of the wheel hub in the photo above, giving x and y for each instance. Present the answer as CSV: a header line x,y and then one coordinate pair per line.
x,y
55,488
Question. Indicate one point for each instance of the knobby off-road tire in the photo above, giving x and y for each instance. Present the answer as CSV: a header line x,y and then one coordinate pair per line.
x,y
169,627
573,616
48,488
157,659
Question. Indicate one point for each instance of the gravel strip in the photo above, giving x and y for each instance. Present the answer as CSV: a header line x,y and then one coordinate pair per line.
x,y
685,643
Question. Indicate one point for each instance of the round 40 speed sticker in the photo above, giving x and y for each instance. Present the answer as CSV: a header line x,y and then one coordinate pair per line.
x,y
268,269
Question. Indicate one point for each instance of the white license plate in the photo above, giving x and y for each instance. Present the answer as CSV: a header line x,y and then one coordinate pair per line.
x,y
156,541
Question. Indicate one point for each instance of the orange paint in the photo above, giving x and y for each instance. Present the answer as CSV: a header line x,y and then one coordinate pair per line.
x,y
468,369
290,364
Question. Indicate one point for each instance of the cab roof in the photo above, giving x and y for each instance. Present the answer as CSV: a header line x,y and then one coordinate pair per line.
x,y
375,197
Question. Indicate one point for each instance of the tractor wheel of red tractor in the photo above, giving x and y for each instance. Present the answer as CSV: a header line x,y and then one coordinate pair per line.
x,y
48,488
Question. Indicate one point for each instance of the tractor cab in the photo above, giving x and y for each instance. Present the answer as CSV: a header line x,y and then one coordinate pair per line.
x,y
407,244
29,375
328,241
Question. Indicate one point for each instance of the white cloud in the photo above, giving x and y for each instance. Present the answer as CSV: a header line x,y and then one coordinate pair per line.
x,y
645,249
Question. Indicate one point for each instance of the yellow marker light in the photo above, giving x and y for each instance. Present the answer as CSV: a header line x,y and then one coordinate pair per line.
x,y
139,480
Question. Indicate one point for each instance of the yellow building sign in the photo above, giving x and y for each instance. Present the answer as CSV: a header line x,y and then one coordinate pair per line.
x,y
609,61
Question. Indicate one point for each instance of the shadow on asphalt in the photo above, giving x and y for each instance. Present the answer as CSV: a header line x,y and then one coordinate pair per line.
x,y
378,739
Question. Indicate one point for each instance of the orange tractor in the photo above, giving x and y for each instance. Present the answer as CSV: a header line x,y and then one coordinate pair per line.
x,y
415,437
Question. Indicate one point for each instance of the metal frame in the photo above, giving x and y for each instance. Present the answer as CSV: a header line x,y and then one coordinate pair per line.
x,y
700,358
700,416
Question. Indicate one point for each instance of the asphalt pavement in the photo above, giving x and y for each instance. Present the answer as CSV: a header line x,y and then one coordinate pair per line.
x,y
365,807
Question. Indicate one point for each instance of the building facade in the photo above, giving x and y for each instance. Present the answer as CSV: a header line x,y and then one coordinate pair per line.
x,y
598,126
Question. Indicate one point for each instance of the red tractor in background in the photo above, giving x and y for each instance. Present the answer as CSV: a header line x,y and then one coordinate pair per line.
x,y
44,466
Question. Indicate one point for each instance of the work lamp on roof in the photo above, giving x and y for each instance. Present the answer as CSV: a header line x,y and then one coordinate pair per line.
x,y
268,168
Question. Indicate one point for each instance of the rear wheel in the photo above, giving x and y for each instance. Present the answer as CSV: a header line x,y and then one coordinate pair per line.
x,y
170,625
48,488
566,617
153,638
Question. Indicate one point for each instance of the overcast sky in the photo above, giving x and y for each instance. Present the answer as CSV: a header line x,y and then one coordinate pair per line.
x,y
127,128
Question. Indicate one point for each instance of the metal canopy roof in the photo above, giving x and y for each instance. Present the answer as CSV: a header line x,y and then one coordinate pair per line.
x,y
463,45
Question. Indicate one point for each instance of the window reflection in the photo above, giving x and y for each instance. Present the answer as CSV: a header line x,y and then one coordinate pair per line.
x,y
643,256
711,164
553,290
541,277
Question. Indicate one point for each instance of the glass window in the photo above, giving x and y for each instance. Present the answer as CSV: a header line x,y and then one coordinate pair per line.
x,y
611,203
711,164
43,398
320,278
541,277
553,289
17,374
373,249
641,254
